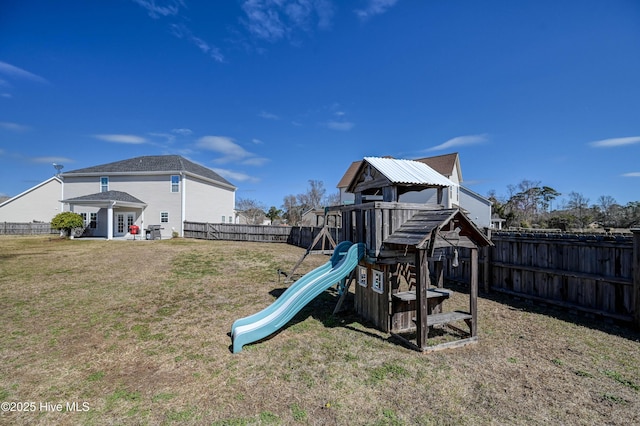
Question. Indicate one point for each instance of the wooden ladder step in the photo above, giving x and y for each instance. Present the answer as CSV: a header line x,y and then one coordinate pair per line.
x,y
447,317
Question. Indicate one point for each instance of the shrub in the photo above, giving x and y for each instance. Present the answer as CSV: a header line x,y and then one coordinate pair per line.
x,y
67,222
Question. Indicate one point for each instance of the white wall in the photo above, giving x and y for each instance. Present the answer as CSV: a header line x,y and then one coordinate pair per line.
x,y
40,203
208,203
478,207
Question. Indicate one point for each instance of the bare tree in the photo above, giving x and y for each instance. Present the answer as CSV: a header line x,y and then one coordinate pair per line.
x,y
580,205
252,210
605,206
332,199
293,211
312,199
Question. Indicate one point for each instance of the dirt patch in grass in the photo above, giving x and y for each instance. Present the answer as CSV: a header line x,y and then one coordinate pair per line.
x,y
137,331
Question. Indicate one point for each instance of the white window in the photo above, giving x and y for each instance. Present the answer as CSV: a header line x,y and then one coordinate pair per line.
x,y
378,282
222,218
164,217
362,276
84,218
230,219
93,222
104,184
175,183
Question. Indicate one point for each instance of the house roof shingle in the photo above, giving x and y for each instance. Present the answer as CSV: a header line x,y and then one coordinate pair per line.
x,y
150,164
443,164
107,196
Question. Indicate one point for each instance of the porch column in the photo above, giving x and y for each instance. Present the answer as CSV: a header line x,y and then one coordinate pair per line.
x,y
110,221
183,211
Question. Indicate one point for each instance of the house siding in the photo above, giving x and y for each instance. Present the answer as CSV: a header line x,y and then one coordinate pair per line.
x,y
207,202
478,207
38,204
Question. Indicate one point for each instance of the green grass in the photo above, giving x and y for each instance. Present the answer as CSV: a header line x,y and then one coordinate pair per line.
x,y
139,331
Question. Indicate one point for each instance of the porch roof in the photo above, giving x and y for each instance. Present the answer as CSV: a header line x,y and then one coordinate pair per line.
x,y
107,199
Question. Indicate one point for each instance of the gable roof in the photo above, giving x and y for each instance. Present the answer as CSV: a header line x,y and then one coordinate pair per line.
x,y
152,164
402,172
444,164
349,174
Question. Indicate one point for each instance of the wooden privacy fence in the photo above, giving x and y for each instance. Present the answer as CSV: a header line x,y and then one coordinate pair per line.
x,y
233,232
598,274
31,228
300,236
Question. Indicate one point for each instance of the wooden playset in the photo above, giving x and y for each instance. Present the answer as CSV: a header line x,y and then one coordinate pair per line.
x,y
399,285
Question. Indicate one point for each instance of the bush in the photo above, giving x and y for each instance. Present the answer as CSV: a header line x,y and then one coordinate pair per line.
x,y
67,222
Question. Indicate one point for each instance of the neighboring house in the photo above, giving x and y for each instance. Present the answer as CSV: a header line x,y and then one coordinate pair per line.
x,y
247,218
38,204
317,217
163,190
477,207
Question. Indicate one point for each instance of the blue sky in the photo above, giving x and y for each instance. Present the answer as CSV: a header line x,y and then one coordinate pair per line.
x,y
273,93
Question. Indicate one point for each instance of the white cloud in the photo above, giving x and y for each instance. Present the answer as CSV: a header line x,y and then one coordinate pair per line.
x,y
340,125
6,95
45,160
273,20
231,152
167,8
235,176
257,141
15,72
182,132
225,146
264,20
375,7
168,136
632,174
127,139
255,161
14,127
268,115
608,143
182,31
460,141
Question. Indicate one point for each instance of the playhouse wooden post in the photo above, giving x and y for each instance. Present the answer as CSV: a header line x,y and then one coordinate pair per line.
x,y
422,284
439,273
473,292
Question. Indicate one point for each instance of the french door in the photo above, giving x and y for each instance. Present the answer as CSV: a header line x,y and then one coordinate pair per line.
x,y
122,222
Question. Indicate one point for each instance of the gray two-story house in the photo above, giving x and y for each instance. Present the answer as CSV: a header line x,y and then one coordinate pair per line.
x,y
161,190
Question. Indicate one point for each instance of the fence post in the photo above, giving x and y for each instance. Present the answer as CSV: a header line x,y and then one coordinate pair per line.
x,y
636,277
486,270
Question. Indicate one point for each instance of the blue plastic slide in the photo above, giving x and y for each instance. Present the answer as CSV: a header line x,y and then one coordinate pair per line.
x,y
266,322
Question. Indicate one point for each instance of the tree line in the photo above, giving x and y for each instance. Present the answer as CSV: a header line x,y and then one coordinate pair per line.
x,y
531,204
528,204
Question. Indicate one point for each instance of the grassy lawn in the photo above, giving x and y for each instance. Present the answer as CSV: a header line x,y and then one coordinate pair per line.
x,y
136,333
